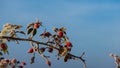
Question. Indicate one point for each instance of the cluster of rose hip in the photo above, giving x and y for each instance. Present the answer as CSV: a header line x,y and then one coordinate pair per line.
x,y
57,41
12,63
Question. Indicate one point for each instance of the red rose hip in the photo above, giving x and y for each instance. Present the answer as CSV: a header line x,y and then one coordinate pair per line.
x,y
30,50
6,60
2,46
47,34
42,49
69,44
50,50
36,25
60,34
23,63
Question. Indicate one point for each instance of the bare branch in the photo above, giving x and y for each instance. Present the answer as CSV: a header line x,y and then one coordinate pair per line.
x,y
46,44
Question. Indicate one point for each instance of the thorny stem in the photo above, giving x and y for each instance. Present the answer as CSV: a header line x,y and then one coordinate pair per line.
x,y
42,43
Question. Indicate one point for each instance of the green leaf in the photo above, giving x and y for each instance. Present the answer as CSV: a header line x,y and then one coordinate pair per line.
x,y
5,51
29,30
34,32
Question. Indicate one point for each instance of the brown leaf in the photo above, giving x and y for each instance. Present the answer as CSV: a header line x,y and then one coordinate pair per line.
x,y
30,25
62,29
18,27
66,58
55,29
32,60
65,38
20,32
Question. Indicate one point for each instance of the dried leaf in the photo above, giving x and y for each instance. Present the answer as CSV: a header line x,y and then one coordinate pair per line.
x,y
1,54
18,62
5,50
20,32
65,52
42,35
34,32
29,30
64,32
32,60
62,29
1,58
55,29
65,38
66,58
18,27
29,25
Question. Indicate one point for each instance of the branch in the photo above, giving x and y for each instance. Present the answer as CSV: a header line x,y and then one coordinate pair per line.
x,y
45,44
25,39
85,66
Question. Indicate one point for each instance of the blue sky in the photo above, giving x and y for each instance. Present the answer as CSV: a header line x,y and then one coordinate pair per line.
x,y
92,25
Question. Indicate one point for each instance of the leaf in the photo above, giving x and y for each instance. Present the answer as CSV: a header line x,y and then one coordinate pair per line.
x,y
66,58
4,31
32,60
18,27
29,30
1,54
34,32
20,32
5,50
1,58
65,38
62,29
29,25
65,52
